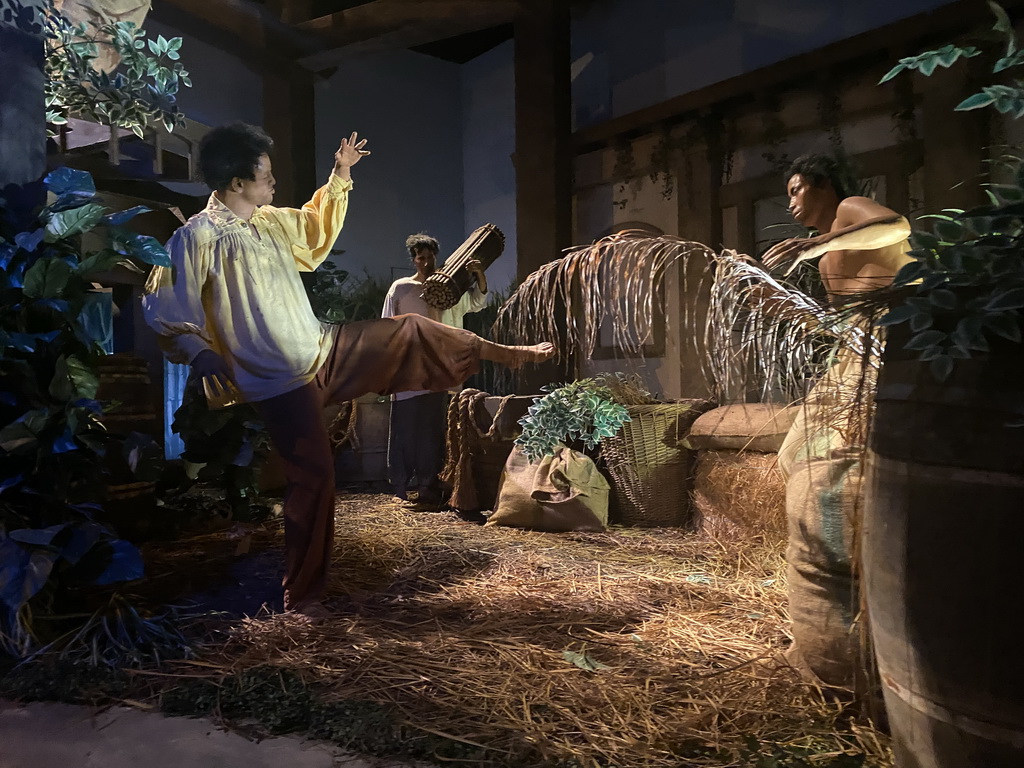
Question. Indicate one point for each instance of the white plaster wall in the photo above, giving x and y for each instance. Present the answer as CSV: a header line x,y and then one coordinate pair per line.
x,y
408,106
602,205
488,143
647,51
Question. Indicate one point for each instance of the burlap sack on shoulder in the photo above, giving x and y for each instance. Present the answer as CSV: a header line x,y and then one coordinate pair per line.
x,y
563,492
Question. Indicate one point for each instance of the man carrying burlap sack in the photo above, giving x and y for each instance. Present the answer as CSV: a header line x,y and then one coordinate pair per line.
x,y
862,245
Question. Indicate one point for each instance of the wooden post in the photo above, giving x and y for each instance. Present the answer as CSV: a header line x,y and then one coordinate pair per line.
x,y
543,157
543,153
699,177
953,143
114,146
288,117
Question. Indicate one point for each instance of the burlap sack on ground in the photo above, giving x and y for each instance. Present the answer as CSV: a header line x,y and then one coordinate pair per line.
x,y
564,492
745,427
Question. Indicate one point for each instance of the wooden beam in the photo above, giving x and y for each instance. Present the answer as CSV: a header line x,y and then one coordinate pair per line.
x,y
398,24
875,45
543,159
241,28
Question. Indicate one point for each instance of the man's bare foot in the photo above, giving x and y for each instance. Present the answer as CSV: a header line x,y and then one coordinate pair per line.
x,y
311,613
514,357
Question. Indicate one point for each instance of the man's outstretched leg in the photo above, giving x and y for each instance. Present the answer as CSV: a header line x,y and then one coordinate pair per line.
x,y
514,357
408,353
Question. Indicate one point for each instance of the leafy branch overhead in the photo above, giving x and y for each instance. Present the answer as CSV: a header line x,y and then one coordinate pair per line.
x,y
141,91
1008,99
965,286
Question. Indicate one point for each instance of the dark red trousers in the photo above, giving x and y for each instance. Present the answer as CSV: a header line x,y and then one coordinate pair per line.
x,y
396,354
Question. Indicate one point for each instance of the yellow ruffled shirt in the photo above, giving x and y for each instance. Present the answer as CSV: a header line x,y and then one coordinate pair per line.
x,y
241,295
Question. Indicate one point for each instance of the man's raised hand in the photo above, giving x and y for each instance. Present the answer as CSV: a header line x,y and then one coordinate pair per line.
x,y
349,153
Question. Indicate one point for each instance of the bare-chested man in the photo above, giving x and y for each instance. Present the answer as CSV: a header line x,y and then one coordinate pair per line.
x,y
862,246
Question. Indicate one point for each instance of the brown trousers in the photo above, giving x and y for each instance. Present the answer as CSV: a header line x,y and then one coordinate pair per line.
x,y
394,354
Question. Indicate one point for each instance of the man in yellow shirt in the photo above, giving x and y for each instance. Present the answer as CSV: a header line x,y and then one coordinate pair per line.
x,y
234,308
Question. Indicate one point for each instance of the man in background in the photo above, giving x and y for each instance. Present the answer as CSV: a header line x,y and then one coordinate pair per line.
x,y
416,437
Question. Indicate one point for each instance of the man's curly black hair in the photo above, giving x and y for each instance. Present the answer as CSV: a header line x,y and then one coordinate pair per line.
x,y
230,151
820,168
419,242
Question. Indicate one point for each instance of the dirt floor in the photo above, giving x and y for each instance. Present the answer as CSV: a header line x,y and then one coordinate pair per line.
x,y
457,643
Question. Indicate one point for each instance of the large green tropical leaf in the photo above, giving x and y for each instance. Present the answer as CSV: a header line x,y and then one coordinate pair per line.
x,y
23,572
73,379
101,261
149,250
73,221
47,278
69,181
23,433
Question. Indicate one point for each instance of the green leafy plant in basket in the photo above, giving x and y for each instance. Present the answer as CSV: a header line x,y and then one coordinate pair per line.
x,y
587,411
964,290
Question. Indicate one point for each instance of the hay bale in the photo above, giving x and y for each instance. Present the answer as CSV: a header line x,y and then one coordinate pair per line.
x,y
744,488
746,427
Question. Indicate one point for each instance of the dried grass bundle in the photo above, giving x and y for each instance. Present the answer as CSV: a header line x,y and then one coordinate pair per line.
x,y
614,282
771,337
641,648
763,336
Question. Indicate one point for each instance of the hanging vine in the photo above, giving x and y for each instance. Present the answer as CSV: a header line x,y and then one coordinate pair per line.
x,y
905,130
661,161
773,131
691,137
729,141
830,111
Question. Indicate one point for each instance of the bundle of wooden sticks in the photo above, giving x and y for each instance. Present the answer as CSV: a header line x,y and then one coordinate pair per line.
x,y
444,288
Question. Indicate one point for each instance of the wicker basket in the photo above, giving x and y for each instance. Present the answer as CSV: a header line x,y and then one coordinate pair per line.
x,y
651,471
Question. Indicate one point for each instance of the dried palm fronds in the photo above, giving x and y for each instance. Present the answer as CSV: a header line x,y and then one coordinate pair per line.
x,y
762,336
616,281
770,337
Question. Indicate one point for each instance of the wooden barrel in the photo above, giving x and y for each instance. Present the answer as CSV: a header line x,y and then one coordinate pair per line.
x,y
943,531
